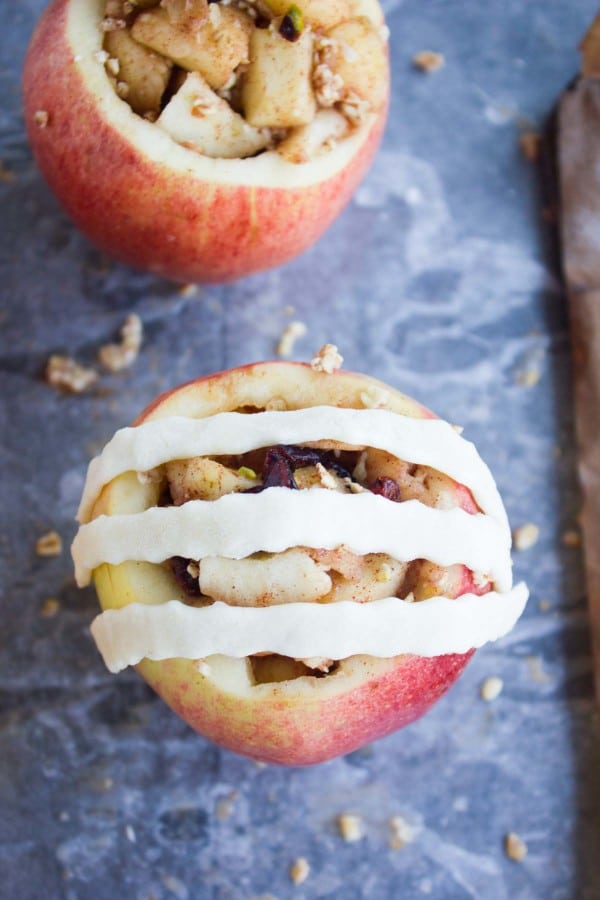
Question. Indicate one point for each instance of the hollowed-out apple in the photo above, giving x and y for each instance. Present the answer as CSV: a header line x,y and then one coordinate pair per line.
x,y
210,160
271,708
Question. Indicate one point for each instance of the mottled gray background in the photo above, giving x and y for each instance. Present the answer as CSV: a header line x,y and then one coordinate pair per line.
x,y
437,279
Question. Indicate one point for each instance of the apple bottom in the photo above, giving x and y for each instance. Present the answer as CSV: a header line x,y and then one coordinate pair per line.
x,y
309,720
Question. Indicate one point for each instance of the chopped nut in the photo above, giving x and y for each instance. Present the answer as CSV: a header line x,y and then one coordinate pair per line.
x,y
291,333
515,847
535,667
491,688
571,538
299,870
41,117
528,377
193,570
224,806
355,109
544,605
50,544
64,373
122,90
101,56
327,359
530,143
246,472
116,357
113,66
188,290
428,61
111,23
49,608
374,398
350,827
326,478
526,536
402,832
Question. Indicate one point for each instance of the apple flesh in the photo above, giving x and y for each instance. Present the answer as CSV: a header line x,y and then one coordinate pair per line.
x,y
153,203
305,719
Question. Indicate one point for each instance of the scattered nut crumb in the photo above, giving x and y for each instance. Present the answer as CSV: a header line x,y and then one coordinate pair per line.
x,y
327,359
350,827
101,56
428,61
130,834
188,290
113,66
491,688
528,377
6,176
116,357
525,536
110,23
374,398
299,870
571,538
515,847
291,333
530,143
64,373
193,570
544,605
536,671
402,832
320,663
41,117
122,90
50,544
326,478
49,608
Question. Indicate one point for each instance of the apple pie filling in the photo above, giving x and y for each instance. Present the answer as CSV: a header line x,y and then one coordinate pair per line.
x,y
304,574
233,78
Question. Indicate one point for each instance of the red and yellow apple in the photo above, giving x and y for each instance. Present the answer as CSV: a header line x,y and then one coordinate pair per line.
x,y
299,720
154,203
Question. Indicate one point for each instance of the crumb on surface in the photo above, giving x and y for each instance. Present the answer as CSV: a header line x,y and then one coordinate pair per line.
x,y
116,357
49,608
41,117
428,61
535,669
545,605
328,359
65,373
530,143
188,290
299,870
224,807
350,827
49,544
401,832
571,538
525,536
491,688
515,847
291,333
528,377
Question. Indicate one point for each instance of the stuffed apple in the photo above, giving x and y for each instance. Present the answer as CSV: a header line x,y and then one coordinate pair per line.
x,y
298,561
206,140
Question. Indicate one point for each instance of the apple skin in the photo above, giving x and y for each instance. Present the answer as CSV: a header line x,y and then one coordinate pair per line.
x,y
147,213
279,723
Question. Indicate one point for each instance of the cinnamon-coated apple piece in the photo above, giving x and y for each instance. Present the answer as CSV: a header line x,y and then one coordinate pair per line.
x,y
145,73
277,90
351,42
308,141
214,46
198,118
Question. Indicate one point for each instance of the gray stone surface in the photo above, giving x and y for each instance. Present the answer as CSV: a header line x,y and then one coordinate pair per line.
x,y
436,279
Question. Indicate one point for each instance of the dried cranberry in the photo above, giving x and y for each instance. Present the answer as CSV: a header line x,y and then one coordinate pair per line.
x,y
190,585
386,487
282,461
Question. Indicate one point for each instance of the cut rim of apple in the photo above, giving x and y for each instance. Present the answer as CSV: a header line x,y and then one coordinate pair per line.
x,y
200,133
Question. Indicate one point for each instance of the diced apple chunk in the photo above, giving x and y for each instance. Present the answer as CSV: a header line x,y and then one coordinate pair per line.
x,y
215,48
189,13
308,141
200,478
145,73
358,55
196,117
277,90
320,13
264,580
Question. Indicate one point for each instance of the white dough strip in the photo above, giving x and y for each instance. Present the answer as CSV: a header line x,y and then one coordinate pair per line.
x,y
383,628
237,525
429,442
